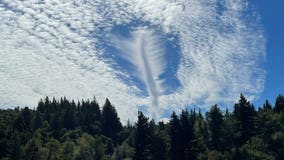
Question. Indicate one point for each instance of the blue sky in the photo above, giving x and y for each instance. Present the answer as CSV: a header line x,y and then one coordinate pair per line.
x,y
156,56
271,16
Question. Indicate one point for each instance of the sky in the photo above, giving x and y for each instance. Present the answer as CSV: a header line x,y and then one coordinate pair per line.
x,y
273,23
155,56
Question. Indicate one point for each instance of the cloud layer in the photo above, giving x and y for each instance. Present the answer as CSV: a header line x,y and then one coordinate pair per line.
x,y
55,48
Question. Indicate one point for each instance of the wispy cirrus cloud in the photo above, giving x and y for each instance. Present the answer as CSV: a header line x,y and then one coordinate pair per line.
x,y
145,51
55,48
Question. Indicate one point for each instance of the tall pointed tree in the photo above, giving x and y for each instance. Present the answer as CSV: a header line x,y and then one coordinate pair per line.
x,y
176,150
279,104
192,148
41,106
245,114
201,133
186,134
111,126
215,121
142,139
158,142
69,116
267,105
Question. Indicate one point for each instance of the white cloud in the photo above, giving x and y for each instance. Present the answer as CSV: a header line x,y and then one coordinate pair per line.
x,y
145,51
54,48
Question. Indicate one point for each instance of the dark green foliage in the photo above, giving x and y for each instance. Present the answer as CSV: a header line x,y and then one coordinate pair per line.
x,y
89,114
201,133
142,139
215,121
213,155
37,121
184,145
256,149
24,120
245,115
124,152
111,126
177,152
69,117
150,140
158,142
65,130
267,105
279,104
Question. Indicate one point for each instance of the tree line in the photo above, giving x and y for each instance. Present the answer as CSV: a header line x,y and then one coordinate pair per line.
x,y
69,130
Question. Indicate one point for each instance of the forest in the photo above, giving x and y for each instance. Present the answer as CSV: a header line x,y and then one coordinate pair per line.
x,y
61,129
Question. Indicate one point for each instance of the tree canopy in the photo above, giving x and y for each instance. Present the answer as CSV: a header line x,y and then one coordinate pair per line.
x,y
68,130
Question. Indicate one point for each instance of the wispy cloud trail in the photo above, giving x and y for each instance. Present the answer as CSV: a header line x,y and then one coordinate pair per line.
x,y
145,51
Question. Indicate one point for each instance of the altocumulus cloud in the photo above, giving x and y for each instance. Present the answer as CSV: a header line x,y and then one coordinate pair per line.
x,y
55,48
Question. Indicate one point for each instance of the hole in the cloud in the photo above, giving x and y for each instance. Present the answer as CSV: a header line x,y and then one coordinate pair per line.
x,y
113,55
172,57
220,7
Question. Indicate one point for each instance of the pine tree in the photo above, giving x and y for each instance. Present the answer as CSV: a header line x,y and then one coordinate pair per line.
x,y
69,115
41,106
158,142
192,148
176,150
215,121
95,109
37,122
279,104
229,125
186,134
27,117
201,133
267,105
111,126
245,114
142,144
24,121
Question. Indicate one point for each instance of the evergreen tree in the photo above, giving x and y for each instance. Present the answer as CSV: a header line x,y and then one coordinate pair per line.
x,y
41,106
69,115
192,148
95,110
24,120
46,109
176,150
201,133
90,117
229,131
158,142
279,104
245,115
215,121
186,135
267,105
37,121
142,144
111,126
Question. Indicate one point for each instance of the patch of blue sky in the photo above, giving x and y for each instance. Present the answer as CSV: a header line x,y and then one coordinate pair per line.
x,y
172,56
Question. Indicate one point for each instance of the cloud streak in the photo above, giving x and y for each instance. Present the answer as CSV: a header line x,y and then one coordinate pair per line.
x,y
55,48
145,52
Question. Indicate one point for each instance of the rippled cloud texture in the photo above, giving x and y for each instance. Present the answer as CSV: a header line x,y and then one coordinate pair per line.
x,y
55,48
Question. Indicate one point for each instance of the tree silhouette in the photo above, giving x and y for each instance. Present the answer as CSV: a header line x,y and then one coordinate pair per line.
x,y
142,144
111,126
279,104
246,116
215,120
